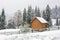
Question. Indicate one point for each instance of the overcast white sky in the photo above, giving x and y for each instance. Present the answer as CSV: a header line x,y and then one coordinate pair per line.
x,y
12,6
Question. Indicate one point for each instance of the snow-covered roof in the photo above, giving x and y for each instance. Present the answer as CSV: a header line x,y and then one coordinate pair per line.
x,y
42,20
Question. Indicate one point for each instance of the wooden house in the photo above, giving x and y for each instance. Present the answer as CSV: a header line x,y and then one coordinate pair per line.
x,y
38,23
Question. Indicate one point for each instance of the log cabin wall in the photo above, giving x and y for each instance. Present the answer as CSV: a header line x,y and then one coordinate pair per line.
x,y
37,25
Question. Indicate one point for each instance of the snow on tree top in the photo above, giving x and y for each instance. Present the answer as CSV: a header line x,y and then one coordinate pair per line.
x,y
42,20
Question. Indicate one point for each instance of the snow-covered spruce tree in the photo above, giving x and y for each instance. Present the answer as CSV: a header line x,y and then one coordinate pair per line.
x,y
29,15
3,19
11,24
24,16
57,22
32,14
0,22
44,15
48,13
56,17
37,12
18,19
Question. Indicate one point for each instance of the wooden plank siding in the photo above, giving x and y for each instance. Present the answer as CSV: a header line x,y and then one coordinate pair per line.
x,y
37,25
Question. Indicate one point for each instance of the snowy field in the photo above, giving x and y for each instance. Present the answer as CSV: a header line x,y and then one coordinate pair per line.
x,y
46,35
10,31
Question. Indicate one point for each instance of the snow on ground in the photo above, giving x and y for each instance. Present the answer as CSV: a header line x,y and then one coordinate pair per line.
x,y
46,35
3,37
10,31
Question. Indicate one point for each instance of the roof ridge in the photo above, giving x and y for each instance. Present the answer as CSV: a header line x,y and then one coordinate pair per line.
x,y
42,20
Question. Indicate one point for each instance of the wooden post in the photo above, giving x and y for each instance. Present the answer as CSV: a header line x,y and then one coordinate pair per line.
x,y
32,31
58,28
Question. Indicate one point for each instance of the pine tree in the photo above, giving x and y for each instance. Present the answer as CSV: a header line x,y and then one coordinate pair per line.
x,y
57,22
24,16
29,14
56,17
0,22
17,18
44,15
11,25
48,13
32,14
3,19
38,13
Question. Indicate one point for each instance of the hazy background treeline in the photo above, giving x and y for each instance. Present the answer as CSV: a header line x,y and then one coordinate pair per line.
x,y
24,19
